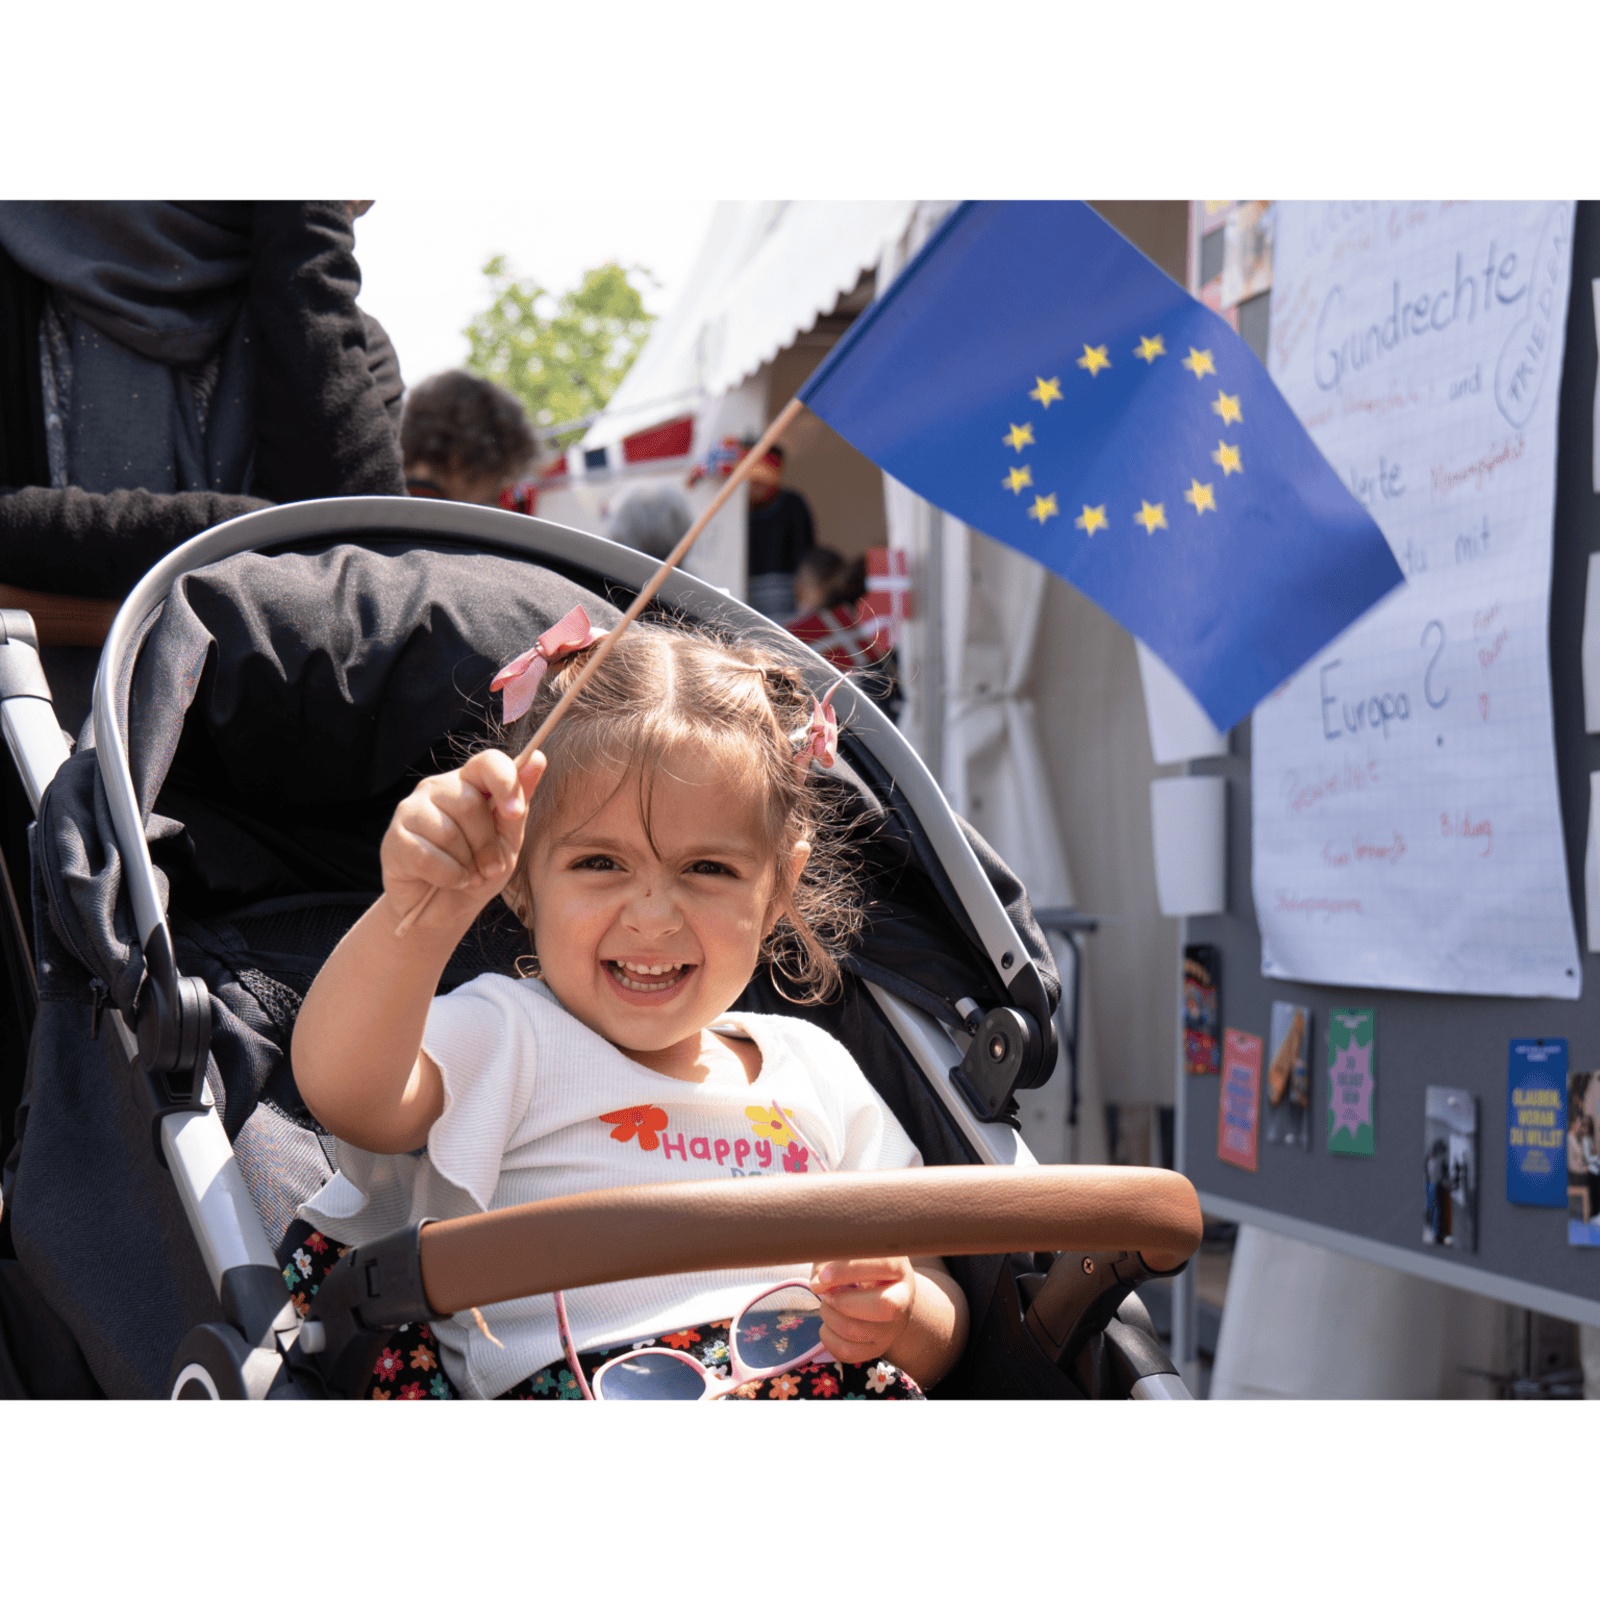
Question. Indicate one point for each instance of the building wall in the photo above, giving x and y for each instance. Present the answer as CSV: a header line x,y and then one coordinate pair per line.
x,y
842,487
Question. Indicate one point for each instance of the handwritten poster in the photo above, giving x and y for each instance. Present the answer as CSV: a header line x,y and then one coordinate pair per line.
x,y
1407,830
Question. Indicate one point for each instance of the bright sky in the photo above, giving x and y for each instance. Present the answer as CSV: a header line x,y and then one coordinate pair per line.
x,y
421,258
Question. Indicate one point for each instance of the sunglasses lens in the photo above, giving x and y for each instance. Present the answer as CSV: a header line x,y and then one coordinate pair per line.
x,y
652,1375
777,1328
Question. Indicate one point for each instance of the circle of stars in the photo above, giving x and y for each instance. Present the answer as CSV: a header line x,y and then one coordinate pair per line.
x,y
1201,496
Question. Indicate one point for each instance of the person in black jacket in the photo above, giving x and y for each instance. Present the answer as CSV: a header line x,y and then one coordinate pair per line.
x,y
166,366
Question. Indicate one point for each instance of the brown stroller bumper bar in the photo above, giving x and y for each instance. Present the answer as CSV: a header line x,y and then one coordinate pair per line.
x,y
1099,1214
614,1234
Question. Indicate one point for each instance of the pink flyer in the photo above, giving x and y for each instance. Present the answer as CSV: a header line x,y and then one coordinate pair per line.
x,y
1239,1109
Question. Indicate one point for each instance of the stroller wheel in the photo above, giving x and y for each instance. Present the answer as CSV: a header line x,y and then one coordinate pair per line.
x,y
215,1363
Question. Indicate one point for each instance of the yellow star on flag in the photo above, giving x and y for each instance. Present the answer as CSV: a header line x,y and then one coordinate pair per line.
x,y
1152,517
1093,517
1150,348
1018,479
1021,434
1200,496
1094,357
1046,390
1043,507
1226,456
1226,406
1199,362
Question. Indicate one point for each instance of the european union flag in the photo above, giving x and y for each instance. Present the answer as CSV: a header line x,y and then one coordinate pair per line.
x,y
1035,375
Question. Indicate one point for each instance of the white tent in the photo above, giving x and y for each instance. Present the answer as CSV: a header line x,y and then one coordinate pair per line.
x,y
767,270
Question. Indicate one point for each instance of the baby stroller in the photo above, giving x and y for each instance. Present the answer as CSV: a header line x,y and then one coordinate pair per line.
x,y
265,697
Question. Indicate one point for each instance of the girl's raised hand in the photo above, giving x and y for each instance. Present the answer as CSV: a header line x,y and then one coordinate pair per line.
x,y
866,1305
459,833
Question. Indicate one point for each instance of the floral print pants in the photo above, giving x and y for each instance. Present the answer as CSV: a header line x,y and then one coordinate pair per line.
x,y
410,1369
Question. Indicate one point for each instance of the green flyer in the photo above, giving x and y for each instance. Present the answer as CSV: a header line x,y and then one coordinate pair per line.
x,y
1352,1084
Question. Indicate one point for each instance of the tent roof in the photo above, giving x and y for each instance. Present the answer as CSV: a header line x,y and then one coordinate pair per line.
x,y
766,270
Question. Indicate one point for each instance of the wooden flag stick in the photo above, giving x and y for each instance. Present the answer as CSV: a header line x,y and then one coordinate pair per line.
x,y
741,471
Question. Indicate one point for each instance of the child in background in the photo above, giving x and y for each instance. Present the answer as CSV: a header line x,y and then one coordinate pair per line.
x,y
676,841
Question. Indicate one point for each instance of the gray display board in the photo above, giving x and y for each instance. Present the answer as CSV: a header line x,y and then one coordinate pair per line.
x,y
1374,1207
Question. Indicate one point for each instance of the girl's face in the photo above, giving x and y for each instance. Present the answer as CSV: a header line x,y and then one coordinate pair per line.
x,y
645,945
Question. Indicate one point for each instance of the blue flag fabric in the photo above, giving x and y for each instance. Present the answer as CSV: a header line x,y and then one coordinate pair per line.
x,y
1036,376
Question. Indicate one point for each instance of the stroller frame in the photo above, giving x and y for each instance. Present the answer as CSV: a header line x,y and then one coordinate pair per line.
x,y
167,1045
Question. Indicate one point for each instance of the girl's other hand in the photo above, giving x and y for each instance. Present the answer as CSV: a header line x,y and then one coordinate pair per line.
x,y
459,833
866,1305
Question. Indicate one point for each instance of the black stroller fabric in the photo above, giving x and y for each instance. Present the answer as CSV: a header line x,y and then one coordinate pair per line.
x,y
279,706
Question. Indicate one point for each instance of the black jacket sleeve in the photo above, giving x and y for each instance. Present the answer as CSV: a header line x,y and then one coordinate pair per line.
x,y
384,365
67,541
322,427
24,456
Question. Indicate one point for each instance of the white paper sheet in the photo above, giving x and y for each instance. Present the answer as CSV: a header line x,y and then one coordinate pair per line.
x,y
1591,647
1406,821
1591,864
1179,728
1594,289
1189,827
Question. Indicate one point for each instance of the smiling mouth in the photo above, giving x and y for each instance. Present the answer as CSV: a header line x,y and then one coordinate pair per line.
x,y
651,978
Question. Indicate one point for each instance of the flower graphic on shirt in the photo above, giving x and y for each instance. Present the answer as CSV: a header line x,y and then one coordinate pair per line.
x,y
389,1365
880,1377
795,1157
772,1122
784,1387
646,1121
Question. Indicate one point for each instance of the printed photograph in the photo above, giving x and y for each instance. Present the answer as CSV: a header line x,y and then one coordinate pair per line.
x,y
1450,1169
1289,1076
1247,252
1583,1158
1202,1050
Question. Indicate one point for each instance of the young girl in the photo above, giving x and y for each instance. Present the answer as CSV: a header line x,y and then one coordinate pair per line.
x,y
670,838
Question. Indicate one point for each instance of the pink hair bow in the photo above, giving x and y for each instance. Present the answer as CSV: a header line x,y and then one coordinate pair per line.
x,y
820,742
521,678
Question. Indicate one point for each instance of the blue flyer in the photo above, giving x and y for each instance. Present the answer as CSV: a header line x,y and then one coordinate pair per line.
x,y
1536,1123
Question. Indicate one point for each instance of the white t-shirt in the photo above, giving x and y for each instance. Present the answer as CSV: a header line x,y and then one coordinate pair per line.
x,y
538,1105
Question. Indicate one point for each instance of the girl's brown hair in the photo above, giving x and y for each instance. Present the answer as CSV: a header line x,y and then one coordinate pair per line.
x,y
735,707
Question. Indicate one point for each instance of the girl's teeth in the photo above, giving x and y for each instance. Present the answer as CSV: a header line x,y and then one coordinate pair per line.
x,y
629,973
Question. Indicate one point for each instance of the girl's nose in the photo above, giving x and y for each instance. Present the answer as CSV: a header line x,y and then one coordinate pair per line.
x,y
652,906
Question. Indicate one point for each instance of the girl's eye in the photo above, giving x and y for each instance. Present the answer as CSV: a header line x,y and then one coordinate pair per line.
x,y
594,864
712,869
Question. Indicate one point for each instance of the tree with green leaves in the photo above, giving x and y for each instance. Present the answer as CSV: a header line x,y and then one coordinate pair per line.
x,y
562,357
